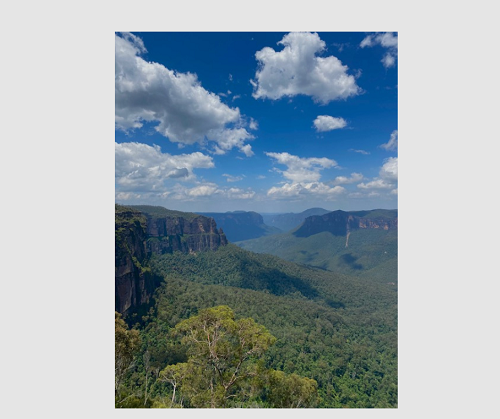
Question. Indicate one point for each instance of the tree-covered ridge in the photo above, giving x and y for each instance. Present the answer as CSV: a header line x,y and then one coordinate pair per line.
x,y
376,213
343,335
128,216
367,253
233,266
159,212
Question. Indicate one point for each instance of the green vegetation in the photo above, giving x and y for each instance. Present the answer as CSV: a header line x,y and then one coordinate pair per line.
x,y
371,253
127,343
127,222
127,218
222,369
223,354
376,213
335,336
159,212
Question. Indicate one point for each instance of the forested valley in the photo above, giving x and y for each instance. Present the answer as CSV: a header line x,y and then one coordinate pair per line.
x,y
232,328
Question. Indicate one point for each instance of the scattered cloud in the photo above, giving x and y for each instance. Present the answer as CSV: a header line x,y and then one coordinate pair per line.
x,y
388,60
230,138
247,150
143,168
376,184
304,174
253,125
328,123
387,40
392,145
342,180
388,176
302,169
208,189
304,190
359,151
202,190
236,193
185,112
230,178
389,170
298,70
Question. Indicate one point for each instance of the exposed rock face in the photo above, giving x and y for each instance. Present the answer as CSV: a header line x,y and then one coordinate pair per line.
x,y
134,282
138,234
340,223
170,234
289,221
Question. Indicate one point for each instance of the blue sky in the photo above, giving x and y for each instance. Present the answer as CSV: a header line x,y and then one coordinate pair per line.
x,y
266,121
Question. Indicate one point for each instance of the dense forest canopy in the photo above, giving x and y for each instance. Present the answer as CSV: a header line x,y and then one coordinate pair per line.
x,y
337,331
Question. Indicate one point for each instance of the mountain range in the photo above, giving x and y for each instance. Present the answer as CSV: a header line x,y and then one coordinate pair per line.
x,y
336,329
359,243
242,225
290,220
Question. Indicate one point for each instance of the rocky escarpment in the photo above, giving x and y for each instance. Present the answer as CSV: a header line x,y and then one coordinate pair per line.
x,y
168,234
134,282
289,221
141,231
341,223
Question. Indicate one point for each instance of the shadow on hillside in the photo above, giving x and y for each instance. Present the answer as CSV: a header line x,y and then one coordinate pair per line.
x,y
276,282
350,260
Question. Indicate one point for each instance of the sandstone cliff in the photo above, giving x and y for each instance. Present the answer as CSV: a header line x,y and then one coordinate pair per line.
x,y
169,231
340,223
141,231
134,282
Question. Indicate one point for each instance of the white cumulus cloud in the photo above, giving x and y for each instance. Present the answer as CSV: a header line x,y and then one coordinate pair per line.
x,y
144,168
237,193
231,178
388,176
328,123
304,169
376,184
387,40
185,112
202,190
392,144
298,70
389,170
247,150
343,180
208,189
388,60
305,190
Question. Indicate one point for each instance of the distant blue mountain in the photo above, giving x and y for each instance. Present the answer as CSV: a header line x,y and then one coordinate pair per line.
x,y
241,225
289,221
